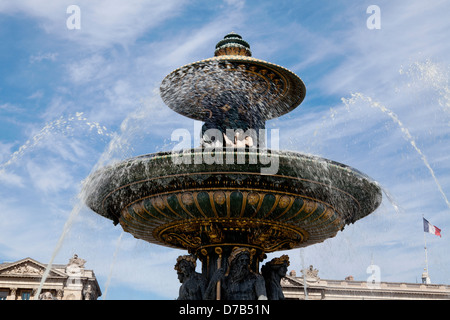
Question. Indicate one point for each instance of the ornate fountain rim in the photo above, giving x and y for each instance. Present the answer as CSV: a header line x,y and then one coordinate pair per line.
x,y
162,199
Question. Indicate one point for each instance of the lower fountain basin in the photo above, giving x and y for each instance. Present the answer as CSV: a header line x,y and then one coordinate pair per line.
x,y
178,200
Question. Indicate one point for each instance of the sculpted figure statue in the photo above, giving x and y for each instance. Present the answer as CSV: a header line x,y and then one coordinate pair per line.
x,y
46,296
75,261
230,123
87,292
272,272
239,282
193,284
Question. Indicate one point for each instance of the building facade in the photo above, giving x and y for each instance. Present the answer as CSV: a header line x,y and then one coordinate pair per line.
x,y
21,280
310,287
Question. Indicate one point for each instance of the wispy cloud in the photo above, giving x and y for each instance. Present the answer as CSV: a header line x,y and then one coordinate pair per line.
x,y
103,23
51,56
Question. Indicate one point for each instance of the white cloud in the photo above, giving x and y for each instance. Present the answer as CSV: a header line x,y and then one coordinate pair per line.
x,y
51,56
8,107
51,177
409,33
88,69
10,179
36,95
236,4
103,22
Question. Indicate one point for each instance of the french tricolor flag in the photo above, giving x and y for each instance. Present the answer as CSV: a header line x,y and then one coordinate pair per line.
x,y
428,227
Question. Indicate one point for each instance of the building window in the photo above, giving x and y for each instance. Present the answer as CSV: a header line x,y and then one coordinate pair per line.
x,y
26,295
3,295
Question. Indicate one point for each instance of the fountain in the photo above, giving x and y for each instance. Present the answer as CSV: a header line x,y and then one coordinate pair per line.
x,y
220,201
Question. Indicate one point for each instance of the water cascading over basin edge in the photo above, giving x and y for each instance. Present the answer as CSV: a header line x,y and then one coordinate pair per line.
x,y
312,197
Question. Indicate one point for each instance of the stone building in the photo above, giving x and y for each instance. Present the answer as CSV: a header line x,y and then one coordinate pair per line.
x,y
319,289
20,280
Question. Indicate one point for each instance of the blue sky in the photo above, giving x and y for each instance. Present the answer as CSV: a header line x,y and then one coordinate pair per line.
x,y
73,100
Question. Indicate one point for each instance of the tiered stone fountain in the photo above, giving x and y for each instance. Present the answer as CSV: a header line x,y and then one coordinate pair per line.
x,y
221,198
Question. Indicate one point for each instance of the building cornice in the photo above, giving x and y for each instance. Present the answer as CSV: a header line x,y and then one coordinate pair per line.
x,y
294,286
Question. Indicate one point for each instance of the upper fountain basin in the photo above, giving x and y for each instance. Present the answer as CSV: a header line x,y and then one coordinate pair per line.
x,y
262,88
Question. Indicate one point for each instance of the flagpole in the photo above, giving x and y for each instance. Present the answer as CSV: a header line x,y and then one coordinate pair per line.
x,y
426,254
